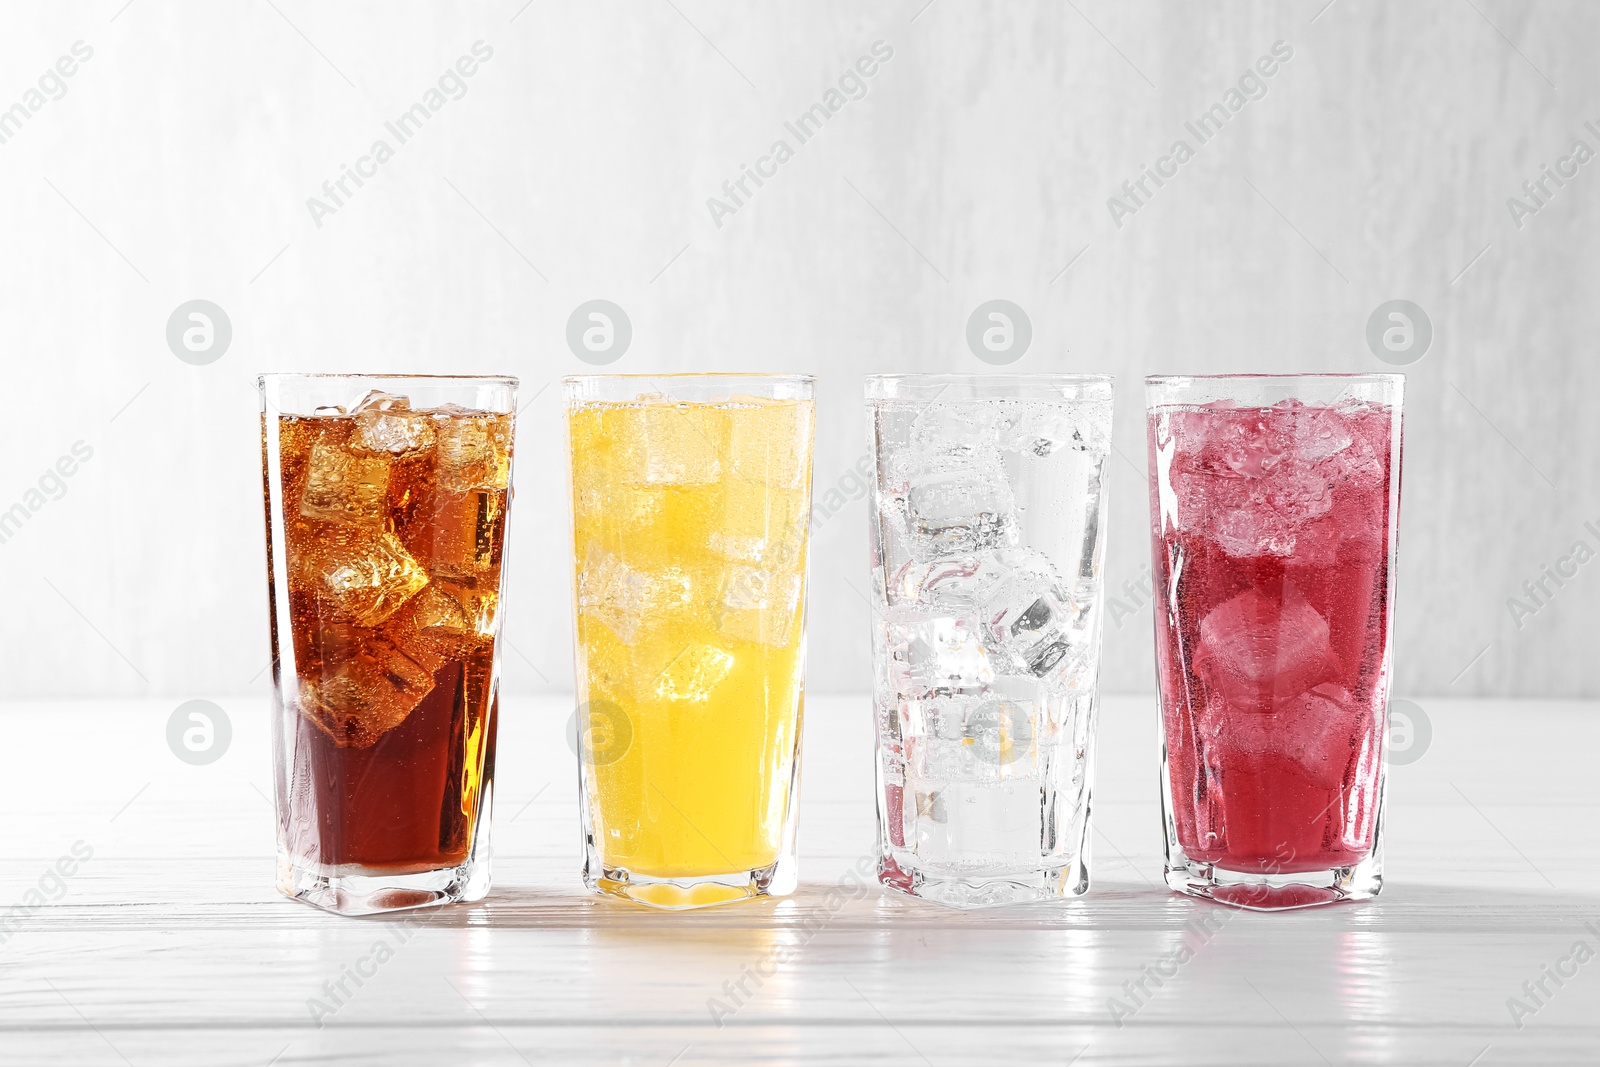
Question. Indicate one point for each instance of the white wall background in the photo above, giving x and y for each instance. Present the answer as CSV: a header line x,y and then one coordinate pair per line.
x,y
178,164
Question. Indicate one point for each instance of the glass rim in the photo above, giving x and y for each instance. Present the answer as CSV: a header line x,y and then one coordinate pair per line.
x,y
1360,376
710,375
266,376
1048,378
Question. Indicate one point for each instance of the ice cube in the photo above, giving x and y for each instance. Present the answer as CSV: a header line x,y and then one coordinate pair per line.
x,y
457,533
1091,431
431,630
365,696
386,423
430,654
1045,428
378,399
948,582
365,574
769,441
474,450
1029,623
625,599
932,656
761,523
1037,428
1250,445
694,673
1258,517
1321,434
1315,731
1318,543
955,428
627,509
1258,652
341,487
1258,481
1341,445
952,509
759,605
1360,466
1257,530
672,444
1298,494
985,585
1251,531
1338,442
1029,620
450,610
891,427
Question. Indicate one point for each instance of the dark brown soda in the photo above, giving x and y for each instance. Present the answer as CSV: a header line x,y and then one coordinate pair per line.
x,y
387,696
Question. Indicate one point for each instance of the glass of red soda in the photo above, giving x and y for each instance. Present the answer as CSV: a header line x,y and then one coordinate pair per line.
x,y
1274,503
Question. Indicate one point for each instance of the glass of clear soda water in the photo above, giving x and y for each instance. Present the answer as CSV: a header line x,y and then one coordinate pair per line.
x,y
988,530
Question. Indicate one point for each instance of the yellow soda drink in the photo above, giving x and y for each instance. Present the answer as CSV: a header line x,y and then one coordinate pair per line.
x,y
689,538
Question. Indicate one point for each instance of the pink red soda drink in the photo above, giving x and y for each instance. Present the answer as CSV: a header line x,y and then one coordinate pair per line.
x,y
1274,502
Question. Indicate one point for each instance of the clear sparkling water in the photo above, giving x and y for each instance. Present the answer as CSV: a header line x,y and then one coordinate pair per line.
x,y
987,529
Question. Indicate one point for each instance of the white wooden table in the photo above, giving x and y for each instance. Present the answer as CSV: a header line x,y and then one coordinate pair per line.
x,y
169,946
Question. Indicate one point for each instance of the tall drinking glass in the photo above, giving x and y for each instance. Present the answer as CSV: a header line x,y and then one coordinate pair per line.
x,y
988,530
1274,502
386,502
691,497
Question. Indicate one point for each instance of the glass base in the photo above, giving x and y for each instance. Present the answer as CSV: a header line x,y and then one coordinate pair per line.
x,y
1255,891
983,890
697,891
356,890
